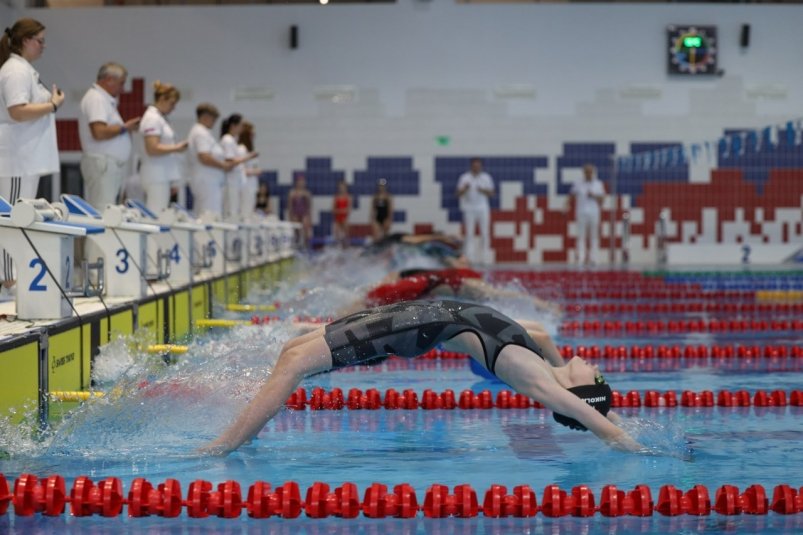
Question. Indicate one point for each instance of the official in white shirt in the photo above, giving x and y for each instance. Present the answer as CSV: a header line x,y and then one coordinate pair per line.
x,y
160,168
105,143
105,137
235,179
474,189
248,194
28,147
208,163
588,195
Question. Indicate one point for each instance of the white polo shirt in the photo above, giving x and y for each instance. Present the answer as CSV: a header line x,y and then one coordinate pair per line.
x,y
235,177
201,140
164,167
583,190
98,106
474,199
27,148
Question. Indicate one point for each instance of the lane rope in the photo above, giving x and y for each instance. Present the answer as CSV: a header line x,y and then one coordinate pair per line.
x,y
49,497
371,399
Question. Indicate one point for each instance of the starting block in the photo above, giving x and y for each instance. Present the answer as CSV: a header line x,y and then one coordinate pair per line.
x,y
124,244
40,241
178,244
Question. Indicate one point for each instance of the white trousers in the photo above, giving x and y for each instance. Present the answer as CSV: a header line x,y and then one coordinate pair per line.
x,y
11,189
587,230
471,218
103,180
206,198
231,199
157,196
248,197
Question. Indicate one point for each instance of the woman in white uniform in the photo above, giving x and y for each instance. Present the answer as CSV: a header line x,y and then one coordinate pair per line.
x,y
235,179
28,146
248,193
160,166
208,163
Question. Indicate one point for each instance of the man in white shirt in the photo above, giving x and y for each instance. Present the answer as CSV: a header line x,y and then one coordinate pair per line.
x,y
105,142
474,189
588,194
105,137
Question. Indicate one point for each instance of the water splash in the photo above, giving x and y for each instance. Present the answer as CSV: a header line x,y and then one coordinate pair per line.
x,y
152,409
665,439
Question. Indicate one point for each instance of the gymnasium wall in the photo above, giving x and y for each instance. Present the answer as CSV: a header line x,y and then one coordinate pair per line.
x,y
410,91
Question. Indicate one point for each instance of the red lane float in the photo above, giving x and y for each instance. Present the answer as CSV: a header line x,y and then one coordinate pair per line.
x,y
649,351
371,399
686,307
616,327
48,497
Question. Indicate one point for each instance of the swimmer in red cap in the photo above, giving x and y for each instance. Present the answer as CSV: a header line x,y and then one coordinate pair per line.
x,y
522,358
465,283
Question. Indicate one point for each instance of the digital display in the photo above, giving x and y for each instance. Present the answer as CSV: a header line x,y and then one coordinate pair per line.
x,y
692,49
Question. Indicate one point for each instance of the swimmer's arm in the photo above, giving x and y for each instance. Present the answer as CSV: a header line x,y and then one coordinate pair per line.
x,y
614,418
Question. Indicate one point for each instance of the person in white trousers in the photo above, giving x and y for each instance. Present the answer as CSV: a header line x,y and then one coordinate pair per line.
x,y
588,194
28,148
160,168
208,163
105,143
235,179
474,189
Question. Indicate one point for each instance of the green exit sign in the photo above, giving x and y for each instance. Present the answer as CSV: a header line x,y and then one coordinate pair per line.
x,y
694,41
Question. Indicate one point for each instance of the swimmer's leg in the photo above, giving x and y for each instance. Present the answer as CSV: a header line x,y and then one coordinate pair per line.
x,y
300,357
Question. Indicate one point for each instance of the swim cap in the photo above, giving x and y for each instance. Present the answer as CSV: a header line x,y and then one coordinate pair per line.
x,y
598,396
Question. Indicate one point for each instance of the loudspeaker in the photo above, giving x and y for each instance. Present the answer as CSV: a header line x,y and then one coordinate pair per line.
x,y
293,36
744,40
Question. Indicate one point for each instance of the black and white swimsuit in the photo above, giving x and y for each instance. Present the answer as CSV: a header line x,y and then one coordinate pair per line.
x,y
412,328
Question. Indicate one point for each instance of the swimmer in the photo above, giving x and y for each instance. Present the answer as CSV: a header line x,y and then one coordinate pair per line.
x,y
445,249
466,283
576,391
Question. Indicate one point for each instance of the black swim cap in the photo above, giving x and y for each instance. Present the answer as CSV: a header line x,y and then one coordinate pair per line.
x,y
598,396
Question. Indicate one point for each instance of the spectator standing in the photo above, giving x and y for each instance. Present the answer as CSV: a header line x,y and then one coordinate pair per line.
x,y
588,194
381,211
299,208
474,189
341,207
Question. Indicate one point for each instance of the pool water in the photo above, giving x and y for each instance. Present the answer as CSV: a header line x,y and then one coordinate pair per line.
x,y
150,431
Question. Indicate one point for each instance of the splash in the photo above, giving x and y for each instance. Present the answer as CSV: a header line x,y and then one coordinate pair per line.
x,y
152,409
664,439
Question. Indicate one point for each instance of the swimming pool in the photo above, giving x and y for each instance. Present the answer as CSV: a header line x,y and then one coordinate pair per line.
x,y
148,430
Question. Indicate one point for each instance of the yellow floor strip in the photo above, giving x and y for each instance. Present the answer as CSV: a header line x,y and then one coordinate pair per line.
x,y
235,307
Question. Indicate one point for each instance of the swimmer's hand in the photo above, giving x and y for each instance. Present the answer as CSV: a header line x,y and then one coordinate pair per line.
x,y
624,442
215,448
